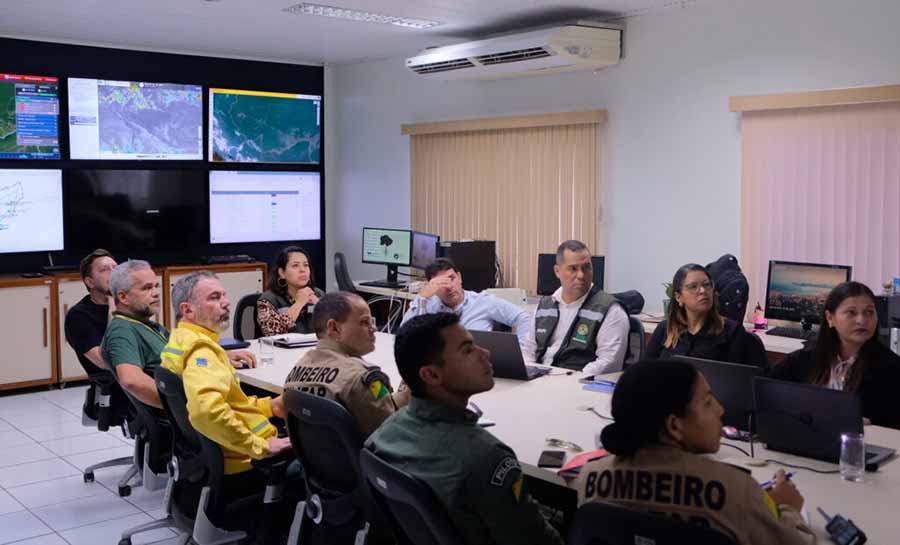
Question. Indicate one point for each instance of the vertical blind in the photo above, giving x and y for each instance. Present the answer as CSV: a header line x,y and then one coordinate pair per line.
x,y
821,185
526,188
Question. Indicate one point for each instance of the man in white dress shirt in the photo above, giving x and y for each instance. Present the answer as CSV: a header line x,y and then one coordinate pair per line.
x,y
578,327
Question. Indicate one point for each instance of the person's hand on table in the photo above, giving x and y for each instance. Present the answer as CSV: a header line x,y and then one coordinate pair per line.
x,y
784,492
241,359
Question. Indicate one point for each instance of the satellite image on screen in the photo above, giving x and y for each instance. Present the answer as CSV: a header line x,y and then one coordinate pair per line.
x,y
259,127
29,117
150,118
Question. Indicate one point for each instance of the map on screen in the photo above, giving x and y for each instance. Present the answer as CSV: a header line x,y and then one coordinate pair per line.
x,y
29,117
263,127
31,215
135,120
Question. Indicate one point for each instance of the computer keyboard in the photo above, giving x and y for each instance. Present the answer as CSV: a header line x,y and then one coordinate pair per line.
x,y
792,333
384,284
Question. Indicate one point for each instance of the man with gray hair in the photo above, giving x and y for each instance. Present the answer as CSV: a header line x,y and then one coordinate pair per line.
x,y
216,405
578,327
132,342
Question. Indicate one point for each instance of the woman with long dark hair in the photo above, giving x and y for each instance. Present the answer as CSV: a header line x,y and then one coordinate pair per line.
x,y
285,306
694,327
848,356
666,419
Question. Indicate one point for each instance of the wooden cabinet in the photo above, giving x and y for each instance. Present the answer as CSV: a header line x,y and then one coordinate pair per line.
x,y
27,324
238,279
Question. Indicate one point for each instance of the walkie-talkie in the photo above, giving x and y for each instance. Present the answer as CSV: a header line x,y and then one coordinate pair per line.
x,y
842,531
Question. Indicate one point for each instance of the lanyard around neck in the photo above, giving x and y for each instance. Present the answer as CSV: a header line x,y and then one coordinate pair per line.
x,y
127,319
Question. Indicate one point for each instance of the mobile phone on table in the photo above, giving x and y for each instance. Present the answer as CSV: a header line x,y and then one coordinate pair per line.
x,y
552,458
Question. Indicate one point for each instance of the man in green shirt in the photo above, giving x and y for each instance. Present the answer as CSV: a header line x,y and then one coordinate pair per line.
x,y
133,342
438,440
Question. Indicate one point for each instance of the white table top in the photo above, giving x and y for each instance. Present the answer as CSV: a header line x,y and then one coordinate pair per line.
x,y
773,343
388,292
528,412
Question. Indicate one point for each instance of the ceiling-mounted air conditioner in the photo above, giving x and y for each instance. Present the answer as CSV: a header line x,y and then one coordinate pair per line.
x,y
584,45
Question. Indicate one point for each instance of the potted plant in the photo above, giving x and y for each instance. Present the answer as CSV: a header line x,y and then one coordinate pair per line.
x,y
668,288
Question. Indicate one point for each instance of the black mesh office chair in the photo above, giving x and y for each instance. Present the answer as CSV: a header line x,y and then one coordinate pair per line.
x,y
327,442
197,465
599,523
637,340
246,326
417,515
106,406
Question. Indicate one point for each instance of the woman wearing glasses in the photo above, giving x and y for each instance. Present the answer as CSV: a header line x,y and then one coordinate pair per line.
x,y
847,355
693,326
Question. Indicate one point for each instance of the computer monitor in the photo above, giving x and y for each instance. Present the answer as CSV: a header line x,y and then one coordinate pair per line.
x,y
548,283
263,206
424,249
391,247
31,210
797,291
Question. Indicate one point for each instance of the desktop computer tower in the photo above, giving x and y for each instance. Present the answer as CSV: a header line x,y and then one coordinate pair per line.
x,y
475,260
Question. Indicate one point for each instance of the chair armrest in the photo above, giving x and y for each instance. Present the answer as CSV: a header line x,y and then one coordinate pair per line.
x,y
275,467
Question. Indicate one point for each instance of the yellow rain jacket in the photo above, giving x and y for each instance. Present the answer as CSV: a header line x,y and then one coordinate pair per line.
x,y
217,406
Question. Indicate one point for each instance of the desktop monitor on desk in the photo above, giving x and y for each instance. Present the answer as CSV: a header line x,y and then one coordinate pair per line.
x,y
797,291
424,249
390,247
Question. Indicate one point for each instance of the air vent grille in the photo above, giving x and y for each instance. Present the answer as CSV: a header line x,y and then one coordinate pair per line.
x,y
513,56
443,66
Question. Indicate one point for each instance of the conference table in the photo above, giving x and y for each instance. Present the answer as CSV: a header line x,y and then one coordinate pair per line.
x,y
527,413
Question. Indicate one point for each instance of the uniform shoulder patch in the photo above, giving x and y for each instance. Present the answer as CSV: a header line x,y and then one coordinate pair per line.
x,y
377,382
202,362
502,469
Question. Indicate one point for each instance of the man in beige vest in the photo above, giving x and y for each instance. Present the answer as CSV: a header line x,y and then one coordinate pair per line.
x,y
335,369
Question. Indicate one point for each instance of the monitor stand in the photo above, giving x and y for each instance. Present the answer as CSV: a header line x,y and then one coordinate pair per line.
x,y
391,281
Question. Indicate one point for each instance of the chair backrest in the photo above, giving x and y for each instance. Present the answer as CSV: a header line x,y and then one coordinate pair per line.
x,y
245,324
418,516
600,523
342,274
199,459
327,441
636,329
105,402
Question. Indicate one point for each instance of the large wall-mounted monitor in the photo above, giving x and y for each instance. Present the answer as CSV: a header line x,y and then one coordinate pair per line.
x,y
135,120
29,117
263,127
31,210
256,206
797,291
132,210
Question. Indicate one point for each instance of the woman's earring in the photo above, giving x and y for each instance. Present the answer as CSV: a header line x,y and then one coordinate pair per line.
x,y
282,283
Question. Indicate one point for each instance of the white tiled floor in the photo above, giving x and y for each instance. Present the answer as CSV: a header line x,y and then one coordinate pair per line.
x,y
43,498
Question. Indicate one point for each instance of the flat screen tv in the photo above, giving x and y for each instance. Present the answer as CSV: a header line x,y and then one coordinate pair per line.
x,y
125,210
29,117
264,127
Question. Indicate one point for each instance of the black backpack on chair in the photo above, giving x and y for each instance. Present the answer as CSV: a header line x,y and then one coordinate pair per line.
x,y
732,286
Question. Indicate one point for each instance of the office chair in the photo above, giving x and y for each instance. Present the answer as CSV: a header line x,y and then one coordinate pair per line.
x,y
636,328
106,406
246,326
327,442
416,513
342,273
394,310
197,464
600,523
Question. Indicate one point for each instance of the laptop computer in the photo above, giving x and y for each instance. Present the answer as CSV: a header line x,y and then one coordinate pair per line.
x,y
506,355
808,420
732,384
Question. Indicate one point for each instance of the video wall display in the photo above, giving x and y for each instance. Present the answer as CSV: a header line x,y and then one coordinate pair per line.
x,y
135,120
258,206
135,209
31,210
29,117
263,127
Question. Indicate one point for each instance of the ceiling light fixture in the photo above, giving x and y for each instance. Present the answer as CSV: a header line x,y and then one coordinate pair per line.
x,y
307,8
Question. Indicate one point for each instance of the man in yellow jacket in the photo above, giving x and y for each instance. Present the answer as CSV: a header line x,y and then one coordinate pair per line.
x,y
217,406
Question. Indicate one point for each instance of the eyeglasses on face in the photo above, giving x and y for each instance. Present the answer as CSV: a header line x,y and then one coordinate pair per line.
x,y
695,287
